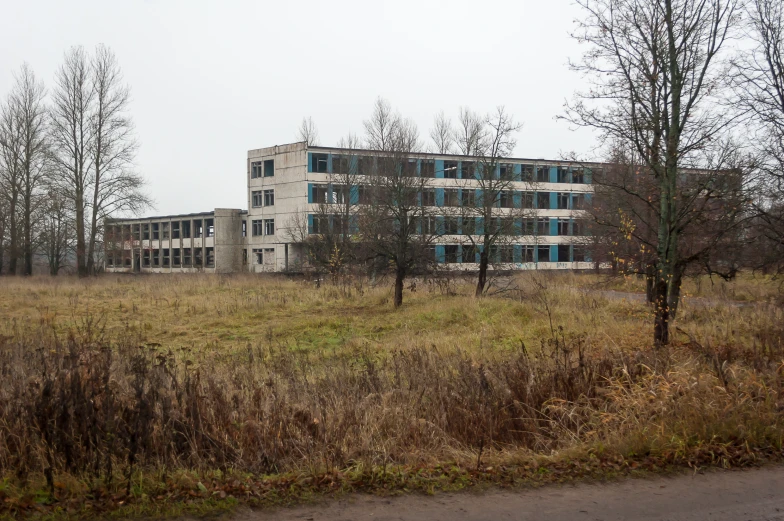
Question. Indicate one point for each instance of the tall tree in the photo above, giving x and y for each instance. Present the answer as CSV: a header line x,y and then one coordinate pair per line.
x,y
468,134
56,236
11,172
656,76
442,134
116,187
72,113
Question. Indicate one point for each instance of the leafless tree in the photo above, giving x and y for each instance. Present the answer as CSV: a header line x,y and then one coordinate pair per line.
x,y
56,234
468,135
442,134
116,187
72,113
308,132
496,201
23,139
391,227
655,74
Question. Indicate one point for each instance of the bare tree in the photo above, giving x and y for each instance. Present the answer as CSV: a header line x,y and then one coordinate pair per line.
x,y
72,113
56,235
116,187
496,203
656,76
11,172
442,134
308,132
468,135
391,227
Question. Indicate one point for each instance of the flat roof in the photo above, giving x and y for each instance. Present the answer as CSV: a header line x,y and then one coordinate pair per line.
x,y
174,216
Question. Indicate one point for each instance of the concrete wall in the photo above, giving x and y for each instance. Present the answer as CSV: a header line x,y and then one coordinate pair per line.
x,y
229,242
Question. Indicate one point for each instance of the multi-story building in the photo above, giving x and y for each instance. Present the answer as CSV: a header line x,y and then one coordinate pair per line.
x,y
288,186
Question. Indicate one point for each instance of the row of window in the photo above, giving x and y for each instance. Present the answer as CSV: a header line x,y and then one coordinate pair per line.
x,y
456,197
261,198
263,227
265,256
164,258
367,165
518,253
264,168
162,231
454,225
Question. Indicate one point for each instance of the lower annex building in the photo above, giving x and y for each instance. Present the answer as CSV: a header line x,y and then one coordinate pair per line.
x,y
287,185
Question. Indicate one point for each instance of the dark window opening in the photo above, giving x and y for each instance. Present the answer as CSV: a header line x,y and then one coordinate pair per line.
x,y
269,226
543,253
210,257
176,230
269,197
340,164
145,232
165,231
563,174
365,165
542,174
257,227
156,257
319,163
451,197
578,253
578,176
527,253
543,200
155,232
197,258
427,168
244,228
506,172
564,199
210,224
450,169
563,253
563,226
166,258
543,226
450,225
428,197
507,199
258,255
256,199
527,172
186,229
450,253
269,167
146,258
186,257
177,257
467,170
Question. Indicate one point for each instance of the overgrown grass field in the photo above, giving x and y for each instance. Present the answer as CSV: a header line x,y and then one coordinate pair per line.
x,y
155,395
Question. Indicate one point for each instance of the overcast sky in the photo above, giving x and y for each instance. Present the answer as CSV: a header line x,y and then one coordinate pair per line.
x,y
211,80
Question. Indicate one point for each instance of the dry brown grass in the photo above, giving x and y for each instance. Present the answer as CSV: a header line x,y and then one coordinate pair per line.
x,y
111,379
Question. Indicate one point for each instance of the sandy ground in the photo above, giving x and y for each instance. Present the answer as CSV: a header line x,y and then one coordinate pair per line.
x,y
715,496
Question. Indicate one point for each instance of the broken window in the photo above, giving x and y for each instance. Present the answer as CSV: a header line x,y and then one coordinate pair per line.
x,y
198,230
506,172
319,163
269,197
136,232
210,257
469,225
340,164
564,200
210,223
543,253
542,174
166,257
543,226
165,231
578,201
529,227
146,258
256,199
320,224
365,165
451,197
543,200
156,257
258,255
450,169
244,256
427,168
579,228
186,257
197,258
578,176
269,167
578,253
176,230
186,229
319,195
563,253
428,197
244,228
257,227
269,256
527,173
269,226
563,226
155,231
469,253
527,200
527,253
467,197
255,169
563,174
450,253
176,257
507,199
145,232
450,225
467,169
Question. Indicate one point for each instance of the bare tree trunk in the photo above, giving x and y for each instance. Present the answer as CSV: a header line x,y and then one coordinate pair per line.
x,y
661,326
675,292
13,250
481,282
399,279
650,282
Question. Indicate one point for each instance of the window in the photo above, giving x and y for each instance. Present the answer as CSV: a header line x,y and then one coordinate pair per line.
x,y
450,253
428,225
527,200
197,258
258,255
579,228
564,200
365,165
578,176
186,229
320,224
543,200
176,230
186,257
543,226
319,195
269,167
427,168
578,253
198,230
269,226
156,257
210,224
244,228
563,174
507,199
450,197
146,258
543,253
177,257
255,169
257,200
450,225
468,197
155,231
165,231
244,256
363,194
210,257
467,169
257,227
450,169
527,253
469,253
269,197
506,172
319,163
340,164
563,226
543,174
269,256
145,232
508,226
563,253
529,227
506,253
428,197
527,172
578,201
166,258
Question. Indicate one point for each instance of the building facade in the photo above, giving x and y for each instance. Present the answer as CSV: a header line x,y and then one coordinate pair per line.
x,y
288,186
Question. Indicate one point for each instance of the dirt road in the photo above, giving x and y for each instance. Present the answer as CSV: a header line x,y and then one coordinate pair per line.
x,y
716,496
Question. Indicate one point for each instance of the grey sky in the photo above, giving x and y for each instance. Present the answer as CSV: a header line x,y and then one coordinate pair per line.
x,y
211,80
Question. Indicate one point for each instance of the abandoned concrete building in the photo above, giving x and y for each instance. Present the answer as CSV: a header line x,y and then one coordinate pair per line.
x,y
287,185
